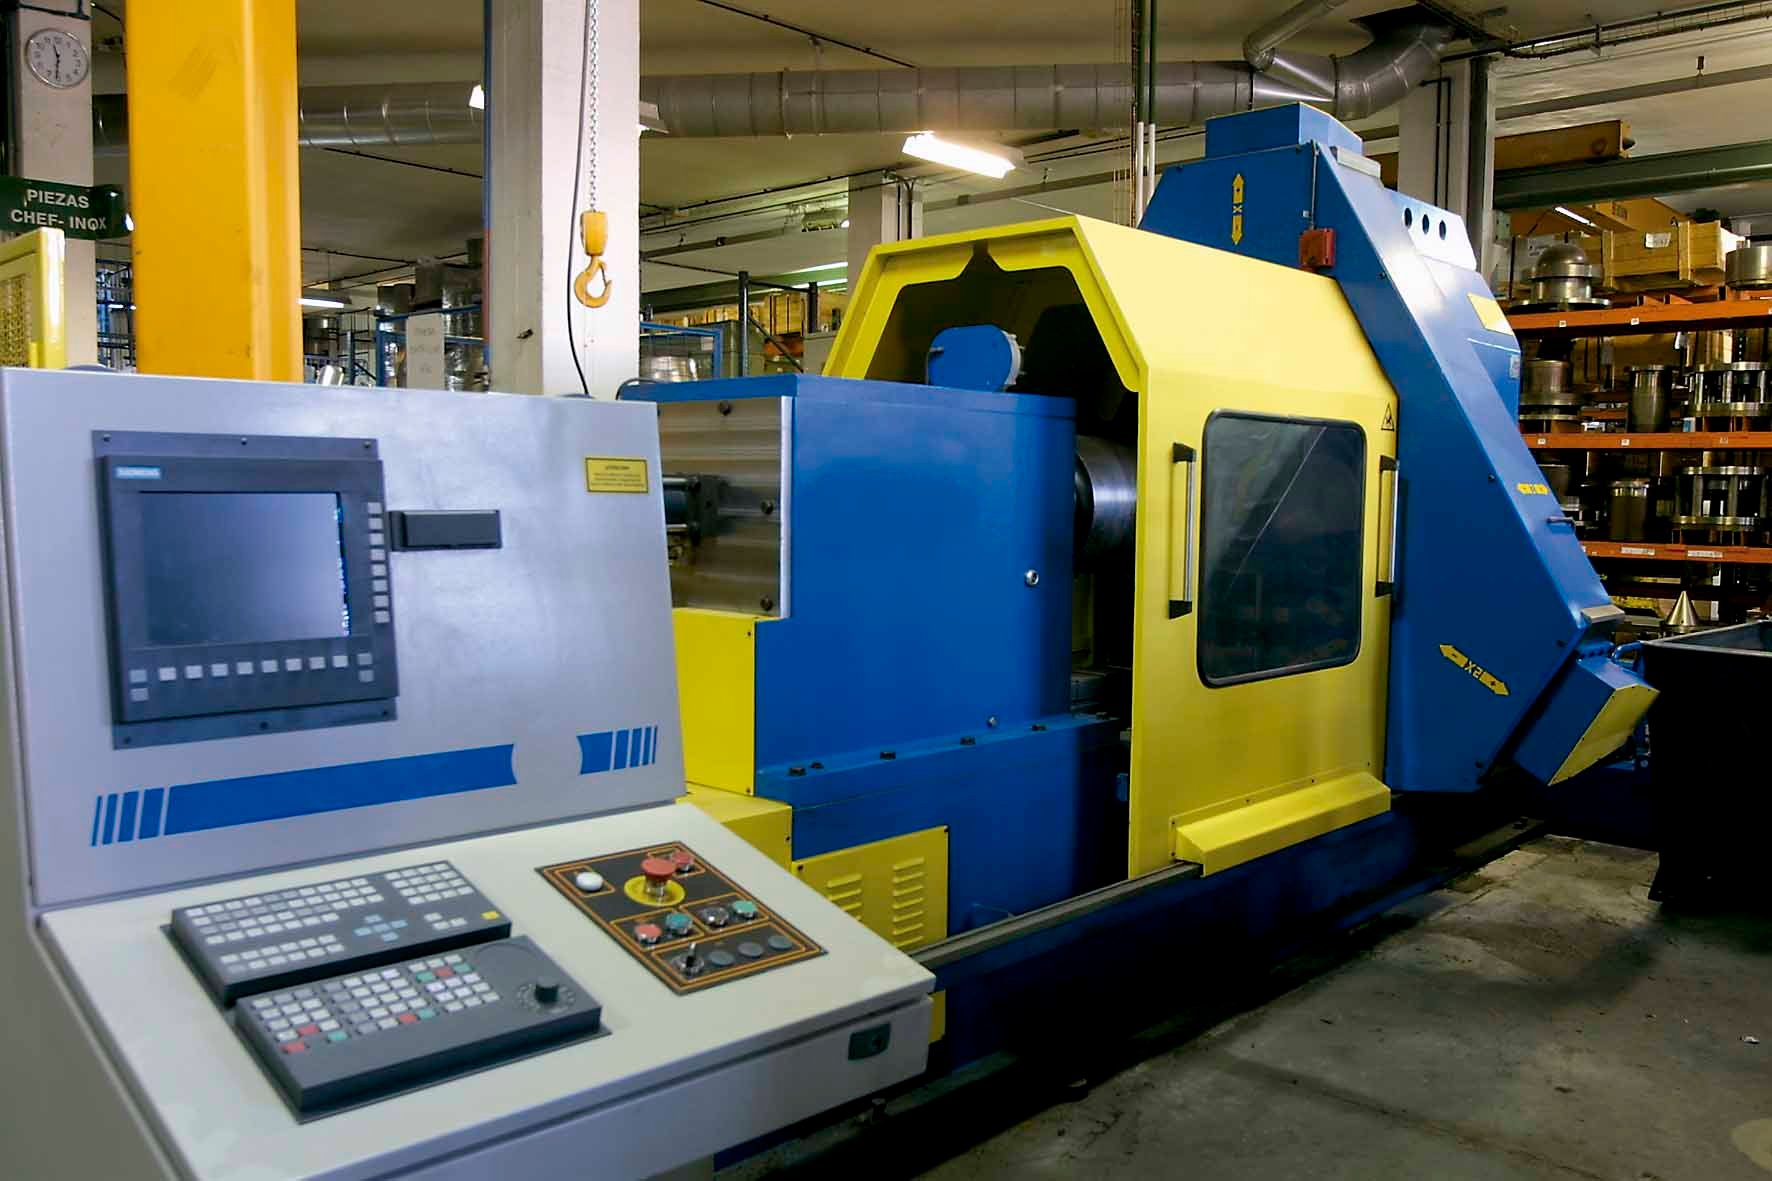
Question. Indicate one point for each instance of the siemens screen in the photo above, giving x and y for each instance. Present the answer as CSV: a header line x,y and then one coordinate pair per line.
x,y
243,567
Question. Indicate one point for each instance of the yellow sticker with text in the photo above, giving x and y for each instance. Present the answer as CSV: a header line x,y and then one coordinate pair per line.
x,y
1476,671
1490,315
1534,489
615,473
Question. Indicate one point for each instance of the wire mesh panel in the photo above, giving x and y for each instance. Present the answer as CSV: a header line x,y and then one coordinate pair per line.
x,y
31,330
670,353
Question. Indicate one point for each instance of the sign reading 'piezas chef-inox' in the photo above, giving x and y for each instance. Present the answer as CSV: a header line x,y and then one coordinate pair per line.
x,y
77,211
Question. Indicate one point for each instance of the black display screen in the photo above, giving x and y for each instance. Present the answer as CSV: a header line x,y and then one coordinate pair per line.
x,y
243,567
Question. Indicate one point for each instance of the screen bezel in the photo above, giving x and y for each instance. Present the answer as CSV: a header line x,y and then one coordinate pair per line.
x,y
262,702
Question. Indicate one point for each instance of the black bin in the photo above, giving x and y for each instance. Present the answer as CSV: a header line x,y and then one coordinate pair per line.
x,y
1710,737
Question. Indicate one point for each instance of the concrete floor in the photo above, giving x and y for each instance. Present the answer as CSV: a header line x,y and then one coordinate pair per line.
x,y
1540,1018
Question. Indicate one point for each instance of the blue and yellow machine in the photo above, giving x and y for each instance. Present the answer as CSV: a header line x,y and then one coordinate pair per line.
x,y
1104,556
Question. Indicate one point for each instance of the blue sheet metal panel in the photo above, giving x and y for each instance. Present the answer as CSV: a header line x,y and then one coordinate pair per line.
x,y
1276,127
1491,581
1031,819
1574,701
916,516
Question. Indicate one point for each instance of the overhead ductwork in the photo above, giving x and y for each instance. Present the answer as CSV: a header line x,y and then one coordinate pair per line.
x,y
400,115
1404,49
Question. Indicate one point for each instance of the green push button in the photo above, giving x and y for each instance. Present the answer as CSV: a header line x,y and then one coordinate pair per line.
x,y
677,923
744,910
426,1014
424,977
337,1035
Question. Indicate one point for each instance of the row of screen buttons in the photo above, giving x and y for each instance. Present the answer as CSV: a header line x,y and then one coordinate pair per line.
x,y
167,673
378,569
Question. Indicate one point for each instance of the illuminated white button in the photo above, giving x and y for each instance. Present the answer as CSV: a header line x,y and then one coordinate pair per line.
x,y
379,585
373,506
365,658
383,616
138,695
138,676
267,666
219,669
292,664
340,660
366,675
378,570
193,672
243,668
168,673
316,662
588,881
381,600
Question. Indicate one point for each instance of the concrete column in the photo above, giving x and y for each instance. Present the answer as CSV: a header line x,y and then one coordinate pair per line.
x,y
534,54
55,143
881,209
1446,148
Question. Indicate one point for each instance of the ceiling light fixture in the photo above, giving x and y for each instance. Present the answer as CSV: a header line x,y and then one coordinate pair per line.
x,y
995,161
324,299
1574,216
477,97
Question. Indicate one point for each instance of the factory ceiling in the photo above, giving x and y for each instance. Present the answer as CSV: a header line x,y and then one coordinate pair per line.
x,y
369,217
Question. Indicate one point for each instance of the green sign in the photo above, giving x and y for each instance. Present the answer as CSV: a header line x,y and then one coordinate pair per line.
x,y
79,212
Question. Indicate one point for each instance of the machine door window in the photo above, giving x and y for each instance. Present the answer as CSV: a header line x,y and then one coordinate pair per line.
x,y
1282,507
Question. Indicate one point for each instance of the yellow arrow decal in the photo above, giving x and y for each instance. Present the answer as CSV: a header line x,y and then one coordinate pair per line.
x,y
1477,672
1237,209
1237,189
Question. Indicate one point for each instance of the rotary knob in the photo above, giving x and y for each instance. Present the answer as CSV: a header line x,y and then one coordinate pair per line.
x,y
547,990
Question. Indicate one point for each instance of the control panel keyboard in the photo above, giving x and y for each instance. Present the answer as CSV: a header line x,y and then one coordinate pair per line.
x,y
361,1036
285,937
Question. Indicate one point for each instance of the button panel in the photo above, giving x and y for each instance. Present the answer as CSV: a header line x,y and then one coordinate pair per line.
x,y
362,1036
243,945
693,931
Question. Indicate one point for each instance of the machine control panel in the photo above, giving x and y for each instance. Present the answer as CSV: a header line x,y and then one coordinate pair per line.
x,y
354,1038
690,924
288,937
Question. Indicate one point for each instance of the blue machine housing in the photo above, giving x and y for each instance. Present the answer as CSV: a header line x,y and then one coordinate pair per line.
x,y
921,676
1495,597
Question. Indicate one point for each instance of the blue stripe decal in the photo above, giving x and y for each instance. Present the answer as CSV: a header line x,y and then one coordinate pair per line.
x,y
126,819
152,801
594,752
252,799
110,818
615,750
98,812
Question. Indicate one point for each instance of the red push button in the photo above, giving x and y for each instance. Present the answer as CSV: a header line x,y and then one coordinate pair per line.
x,y
295,1047
683,859
408,1018
648,933
307,1030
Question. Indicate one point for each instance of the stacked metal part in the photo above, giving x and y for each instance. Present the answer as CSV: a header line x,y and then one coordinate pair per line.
x,y
1563,280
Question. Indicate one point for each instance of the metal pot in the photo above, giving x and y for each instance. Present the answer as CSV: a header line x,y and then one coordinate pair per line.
x,y
1749,268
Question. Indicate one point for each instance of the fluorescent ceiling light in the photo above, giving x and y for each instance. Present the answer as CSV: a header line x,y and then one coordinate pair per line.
x,y
844,224
323,299
995,161
477,97
1574,216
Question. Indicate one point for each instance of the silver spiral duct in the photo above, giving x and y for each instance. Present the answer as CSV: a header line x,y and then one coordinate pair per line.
x,y
401,115
1404,50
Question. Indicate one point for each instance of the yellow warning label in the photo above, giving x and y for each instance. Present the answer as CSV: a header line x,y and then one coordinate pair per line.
x,y
1491,315
1477,672
1390,419
1534,489
1237,208
610,473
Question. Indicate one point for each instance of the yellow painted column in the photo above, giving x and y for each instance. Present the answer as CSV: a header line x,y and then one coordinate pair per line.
x,y
214,187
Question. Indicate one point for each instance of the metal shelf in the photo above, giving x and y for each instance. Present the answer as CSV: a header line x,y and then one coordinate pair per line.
x,y
1655,551
1662,441
1647,320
